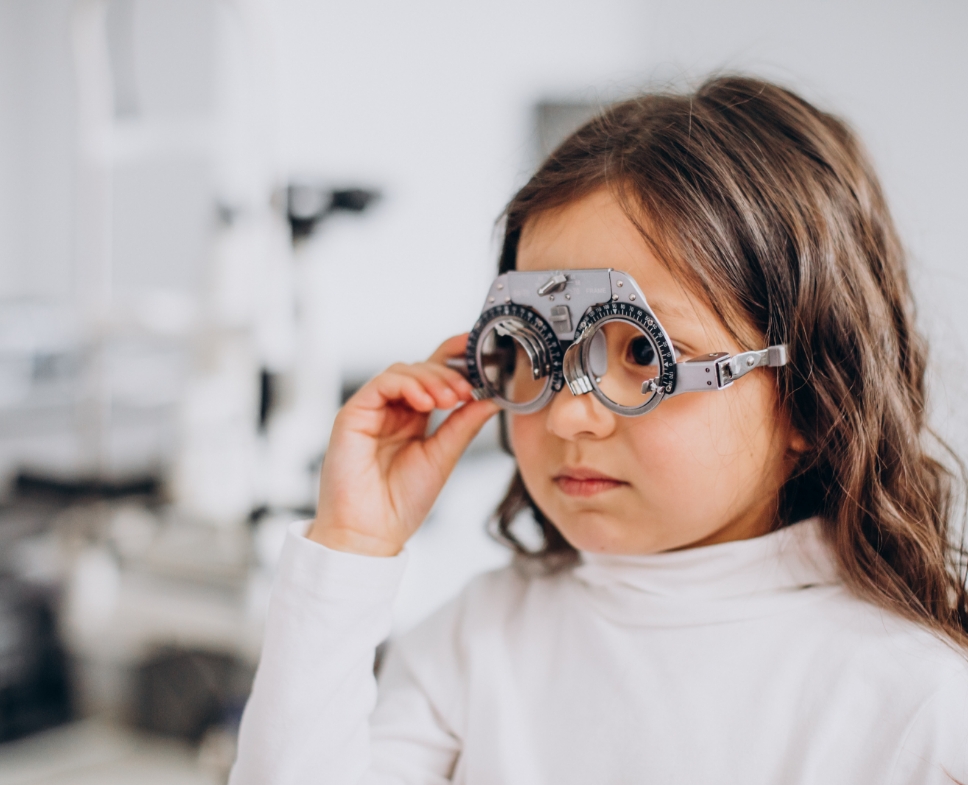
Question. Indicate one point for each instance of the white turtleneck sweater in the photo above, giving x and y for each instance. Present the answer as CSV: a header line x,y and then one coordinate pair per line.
x,y
746,662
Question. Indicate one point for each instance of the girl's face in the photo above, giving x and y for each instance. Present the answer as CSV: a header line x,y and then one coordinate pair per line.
x,y
699,469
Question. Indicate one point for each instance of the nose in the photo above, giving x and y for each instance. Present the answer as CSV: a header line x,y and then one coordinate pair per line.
x,y
579,417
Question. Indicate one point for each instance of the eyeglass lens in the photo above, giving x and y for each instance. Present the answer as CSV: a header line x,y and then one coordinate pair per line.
x,y
621,356
509,368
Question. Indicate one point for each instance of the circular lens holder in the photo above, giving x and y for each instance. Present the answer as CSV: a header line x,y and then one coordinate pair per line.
x,y
535,336
577,362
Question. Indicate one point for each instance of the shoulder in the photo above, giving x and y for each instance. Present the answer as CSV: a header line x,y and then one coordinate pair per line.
x,y
915,680
852,640
491,611
934,748
487,605
440,656
886,643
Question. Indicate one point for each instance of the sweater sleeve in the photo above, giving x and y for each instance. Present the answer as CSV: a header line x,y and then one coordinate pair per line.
x,y
308,719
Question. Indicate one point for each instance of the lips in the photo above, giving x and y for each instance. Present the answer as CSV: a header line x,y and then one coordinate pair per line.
x,y
585,482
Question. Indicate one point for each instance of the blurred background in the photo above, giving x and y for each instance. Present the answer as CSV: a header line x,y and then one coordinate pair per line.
x,y
219,217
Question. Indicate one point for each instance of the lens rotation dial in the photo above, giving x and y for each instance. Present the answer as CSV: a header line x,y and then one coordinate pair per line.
x,y
622,355
514,357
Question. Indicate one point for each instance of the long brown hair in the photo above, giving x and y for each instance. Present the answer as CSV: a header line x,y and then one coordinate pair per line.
x,y
772,211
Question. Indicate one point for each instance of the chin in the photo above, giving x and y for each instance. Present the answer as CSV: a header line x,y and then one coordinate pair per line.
x,y
591,533
586,533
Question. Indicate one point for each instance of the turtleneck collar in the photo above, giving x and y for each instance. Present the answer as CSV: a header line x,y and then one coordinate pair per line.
x,y
712,584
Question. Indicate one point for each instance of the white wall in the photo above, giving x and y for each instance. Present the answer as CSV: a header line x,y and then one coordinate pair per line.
x,y
36,148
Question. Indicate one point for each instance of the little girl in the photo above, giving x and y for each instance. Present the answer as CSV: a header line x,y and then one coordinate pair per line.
x,y
755,584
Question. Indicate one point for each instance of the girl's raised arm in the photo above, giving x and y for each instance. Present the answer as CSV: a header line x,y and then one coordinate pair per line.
x,y
307,719
382,473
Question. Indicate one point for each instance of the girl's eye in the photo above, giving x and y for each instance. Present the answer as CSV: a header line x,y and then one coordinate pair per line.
x,y
641,352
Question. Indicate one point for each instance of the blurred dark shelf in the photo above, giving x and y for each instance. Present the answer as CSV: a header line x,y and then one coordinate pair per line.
x,y
29,485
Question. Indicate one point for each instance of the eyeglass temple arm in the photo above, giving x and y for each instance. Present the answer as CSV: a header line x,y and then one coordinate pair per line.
x,y
718,370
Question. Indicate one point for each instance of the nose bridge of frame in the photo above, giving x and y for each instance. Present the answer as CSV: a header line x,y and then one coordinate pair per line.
x,y
589,354
573,368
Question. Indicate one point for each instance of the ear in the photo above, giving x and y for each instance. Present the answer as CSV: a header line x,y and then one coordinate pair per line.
x,y
798,443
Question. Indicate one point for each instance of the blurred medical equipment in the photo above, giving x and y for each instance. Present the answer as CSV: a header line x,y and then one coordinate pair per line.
x,y
308,204
33,667
171,413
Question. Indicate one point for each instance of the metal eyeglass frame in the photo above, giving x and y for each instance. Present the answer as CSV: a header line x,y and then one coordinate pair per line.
x,y
538,310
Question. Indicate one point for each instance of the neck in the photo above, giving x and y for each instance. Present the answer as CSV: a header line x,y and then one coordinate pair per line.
x,y
753,522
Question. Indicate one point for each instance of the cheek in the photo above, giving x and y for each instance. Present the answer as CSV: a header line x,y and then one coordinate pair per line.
x,y
670,449
536,452
715,452
530,440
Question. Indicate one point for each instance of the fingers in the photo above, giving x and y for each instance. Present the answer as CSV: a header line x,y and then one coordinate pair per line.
x,y
452,347
450,440
445,385
423,387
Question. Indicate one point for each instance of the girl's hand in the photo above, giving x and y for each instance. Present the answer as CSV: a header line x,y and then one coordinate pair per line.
x,y
382,473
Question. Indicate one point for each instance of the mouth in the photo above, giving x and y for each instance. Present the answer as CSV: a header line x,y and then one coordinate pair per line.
x,y
585,482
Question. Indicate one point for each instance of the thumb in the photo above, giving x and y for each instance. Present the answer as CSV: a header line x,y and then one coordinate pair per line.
x,y
449,441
